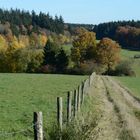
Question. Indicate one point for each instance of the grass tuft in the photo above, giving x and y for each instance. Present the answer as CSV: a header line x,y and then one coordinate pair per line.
x,y
137,113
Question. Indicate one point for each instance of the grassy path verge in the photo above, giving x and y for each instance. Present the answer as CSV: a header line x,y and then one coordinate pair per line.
x,y
126,106
131,82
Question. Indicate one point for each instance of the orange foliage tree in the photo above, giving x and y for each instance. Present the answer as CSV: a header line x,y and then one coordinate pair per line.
x,y
128,37
108,53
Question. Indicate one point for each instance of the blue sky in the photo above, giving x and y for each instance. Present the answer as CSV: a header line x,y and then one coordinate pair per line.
x,y
81,11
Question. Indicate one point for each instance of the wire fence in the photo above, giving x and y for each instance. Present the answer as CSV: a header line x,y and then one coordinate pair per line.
x,y
6,134
73,106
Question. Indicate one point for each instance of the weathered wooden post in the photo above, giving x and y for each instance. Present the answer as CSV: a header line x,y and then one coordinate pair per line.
x,y
59,113
85,86
75,103
92,77
89,81
38,126
79,98
82,92
69,100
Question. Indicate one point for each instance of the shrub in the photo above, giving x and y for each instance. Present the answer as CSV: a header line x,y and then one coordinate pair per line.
x,y
87,68
47,69
137,56
82,128
124,68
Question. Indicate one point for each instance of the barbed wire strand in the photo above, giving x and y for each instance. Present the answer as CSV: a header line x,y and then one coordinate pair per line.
x,y
4,134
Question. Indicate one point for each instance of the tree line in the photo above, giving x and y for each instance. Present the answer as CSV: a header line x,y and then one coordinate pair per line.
x,y
25,23
39,53
31,21
22,54
27,44
124,32
128,37
87,55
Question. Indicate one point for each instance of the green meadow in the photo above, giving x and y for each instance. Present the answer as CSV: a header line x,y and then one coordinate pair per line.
x,y
133,83
23,94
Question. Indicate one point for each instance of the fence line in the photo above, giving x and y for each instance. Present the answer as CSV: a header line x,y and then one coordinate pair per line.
x,y
78,101
79,95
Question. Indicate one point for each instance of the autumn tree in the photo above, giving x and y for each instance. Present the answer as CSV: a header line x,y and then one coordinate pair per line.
x,y
35,60
16,56
34,40
3,43
42,40
84,46
13,60
24,39
16,44
128,37
108,53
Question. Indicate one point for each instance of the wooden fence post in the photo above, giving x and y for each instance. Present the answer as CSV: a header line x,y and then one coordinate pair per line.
x,y
91,78
75,103
82,92
69,100
59,113
89,81
38,126
85,86
79,98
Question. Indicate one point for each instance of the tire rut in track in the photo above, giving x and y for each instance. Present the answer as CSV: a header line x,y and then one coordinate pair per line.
x,y
125,104
108,127
131,100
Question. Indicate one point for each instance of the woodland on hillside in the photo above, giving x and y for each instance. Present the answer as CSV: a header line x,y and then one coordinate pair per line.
x,y
127,33
34,43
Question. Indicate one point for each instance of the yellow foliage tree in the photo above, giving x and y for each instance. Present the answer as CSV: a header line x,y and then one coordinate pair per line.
x,y
24,40
62,39
34,40
85,43
15,44
42,39
3,43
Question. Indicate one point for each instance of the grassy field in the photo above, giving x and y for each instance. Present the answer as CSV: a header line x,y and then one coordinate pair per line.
x,y
22,94
133,83
128,53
